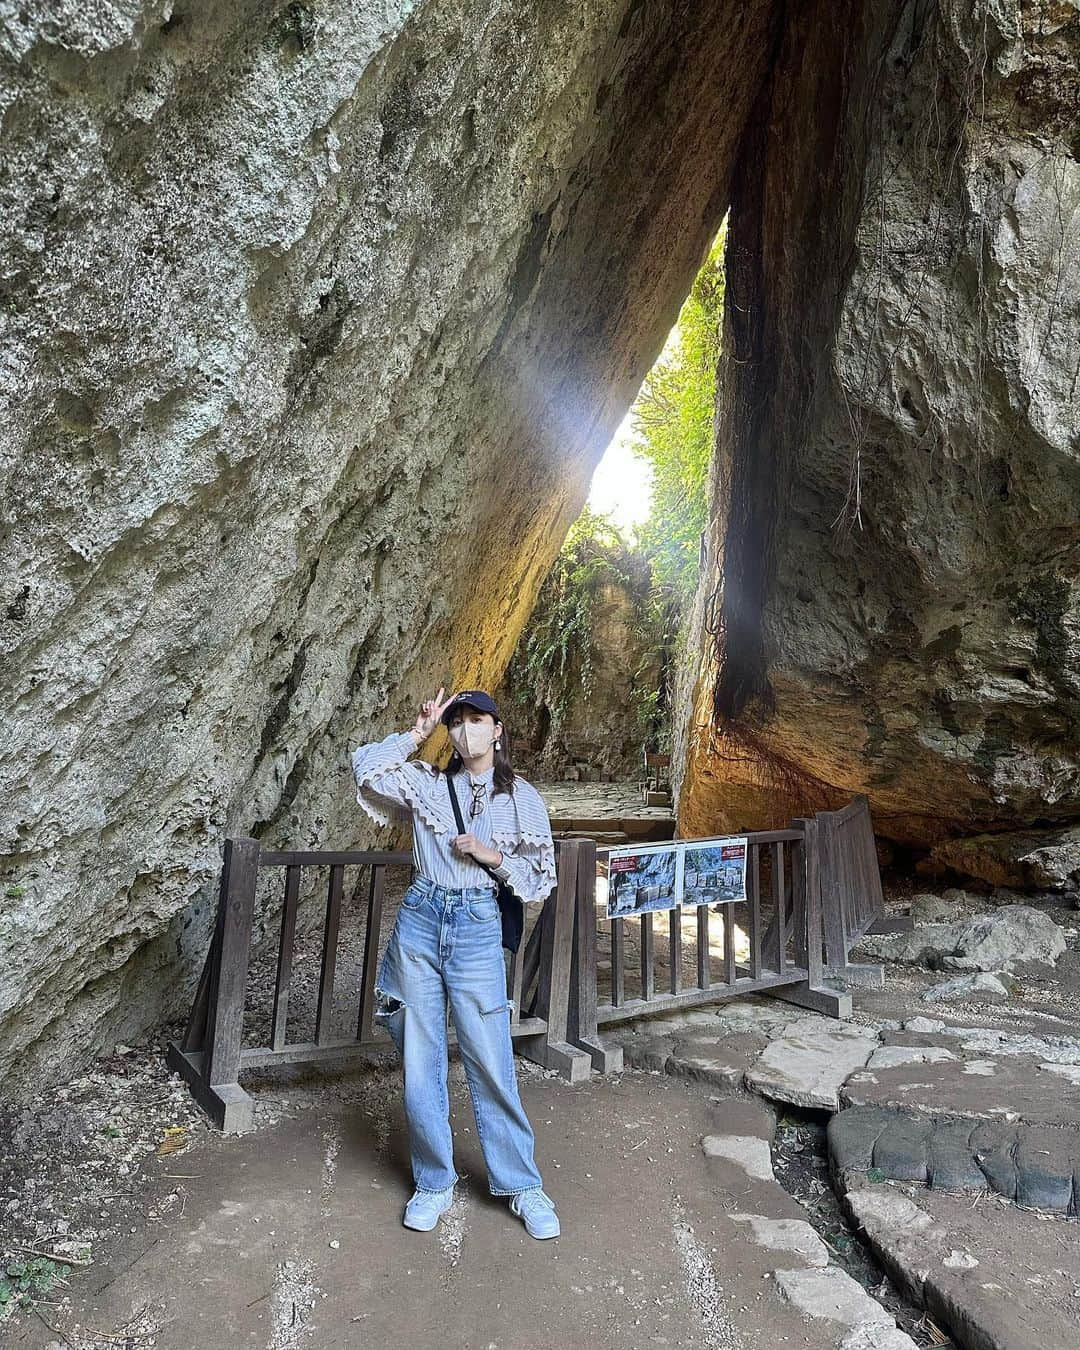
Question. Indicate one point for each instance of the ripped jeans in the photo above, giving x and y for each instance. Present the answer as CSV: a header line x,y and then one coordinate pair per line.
x,y
447,944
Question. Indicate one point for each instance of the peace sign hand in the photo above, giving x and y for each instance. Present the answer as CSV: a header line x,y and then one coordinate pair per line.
x,y
430,714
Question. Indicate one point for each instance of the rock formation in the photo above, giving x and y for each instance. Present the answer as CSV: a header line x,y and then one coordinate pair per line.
x,y
896,496
316,318
590,722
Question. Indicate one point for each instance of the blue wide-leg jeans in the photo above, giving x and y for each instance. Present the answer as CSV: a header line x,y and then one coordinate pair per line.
x,y
446,945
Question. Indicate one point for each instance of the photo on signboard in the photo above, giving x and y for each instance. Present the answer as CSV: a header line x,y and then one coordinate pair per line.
x,y
641,880
714,872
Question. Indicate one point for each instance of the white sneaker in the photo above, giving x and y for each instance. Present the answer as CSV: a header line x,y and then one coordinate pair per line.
x,y
425,1209
538,1211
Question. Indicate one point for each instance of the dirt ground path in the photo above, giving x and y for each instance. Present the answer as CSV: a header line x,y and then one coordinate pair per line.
x,y
291,1236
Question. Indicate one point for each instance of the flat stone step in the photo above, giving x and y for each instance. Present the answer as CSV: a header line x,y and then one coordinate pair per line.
x,y
605,837
971,1076
809,1064
632,829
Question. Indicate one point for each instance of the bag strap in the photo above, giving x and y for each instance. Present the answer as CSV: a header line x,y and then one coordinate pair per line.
x,y
461,824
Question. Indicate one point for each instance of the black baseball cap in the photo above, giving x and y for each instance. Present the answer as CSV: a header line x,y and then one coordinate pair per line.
x,y
475,698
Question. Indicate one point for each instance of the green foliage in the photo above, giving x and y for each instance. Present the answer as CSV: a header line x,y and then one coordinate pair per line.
x,y
673,430
14,891
558,647
23,1281
659,630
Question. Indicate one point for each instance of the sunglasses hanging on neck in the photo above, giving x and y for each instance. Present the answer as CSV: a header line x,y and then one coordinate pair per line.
x,y
479,793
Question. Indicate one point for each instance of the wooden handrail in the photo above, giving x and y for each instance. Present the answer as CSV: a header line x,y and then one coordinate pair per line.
x,y
210,1054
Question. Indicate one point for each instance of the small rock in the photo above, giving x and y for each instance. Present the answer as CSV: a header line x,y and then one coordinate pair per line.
x,y
982,987
933,909
960,1261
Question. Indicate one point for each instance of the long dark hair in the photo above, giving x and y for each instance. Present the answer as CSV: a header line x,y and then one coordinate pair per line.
x,y
504,771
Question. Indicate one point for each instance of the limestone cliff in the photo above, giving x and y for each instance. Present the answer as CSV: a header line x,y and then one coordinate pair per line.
x,y
315,318
893,603
594,720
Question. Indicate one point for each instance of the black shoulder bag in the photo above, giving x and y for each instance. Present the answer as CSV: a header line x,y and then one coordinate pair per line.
x,y
511,909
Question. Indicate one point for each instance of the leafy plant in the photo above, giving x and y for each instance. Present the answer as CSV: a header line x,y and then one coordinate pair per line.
x,y
660,631
673,431
22,1281
559,642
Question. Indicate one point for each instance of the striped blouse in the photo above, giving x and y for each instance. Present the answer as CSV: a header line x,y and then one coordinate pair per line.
x,y
389,787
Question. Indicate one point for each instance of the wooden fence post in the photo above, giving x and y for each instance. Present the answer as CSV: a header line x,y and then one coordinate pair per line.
x,y
813,935
581,1020
806,881
214,1072
235,914
365,1029
832,902
551,1048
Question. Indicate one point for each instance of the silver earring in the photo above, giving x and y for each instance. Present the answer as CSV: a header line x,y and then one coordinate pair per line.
x,y
498,745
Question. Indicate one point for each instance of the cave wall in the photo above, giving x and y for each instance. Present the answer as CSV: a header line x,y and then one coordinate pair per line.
x,y
894,541
565,726
316,318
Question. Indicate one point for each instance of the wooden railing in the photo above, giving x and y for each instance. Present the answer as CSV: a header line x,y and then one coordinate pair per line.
x,y
810,890
211,1055
854,903
781,919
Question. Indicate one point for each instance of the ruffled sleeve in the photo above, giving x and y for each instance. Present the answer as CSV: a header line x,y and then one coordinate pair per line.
x,y
390,789
528,865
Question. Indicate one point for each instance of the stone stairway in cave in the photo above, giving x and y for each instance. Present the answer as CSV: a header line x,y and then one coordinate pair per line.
x,y
610,813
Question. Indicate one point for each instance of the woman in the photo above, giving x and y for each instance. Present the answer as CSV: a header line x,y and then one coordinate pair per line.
x,y
447,944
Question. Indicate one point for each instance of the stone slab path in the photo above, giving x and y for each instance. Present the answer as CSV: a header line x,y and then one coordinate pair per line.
x,y
604,810
993,1273
971,1117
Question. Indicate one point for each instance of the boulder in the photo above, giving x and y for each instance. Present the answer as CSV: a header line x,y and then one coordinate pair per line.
x,y
992,942
1030,860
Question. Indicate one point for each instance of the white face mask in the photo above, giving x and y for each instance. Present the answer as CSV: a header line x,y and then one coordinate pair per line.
x,y
472,738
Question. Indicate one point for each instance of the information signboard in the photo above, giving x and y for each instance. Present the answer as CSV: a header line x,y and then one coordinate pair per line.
x,y
639,879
